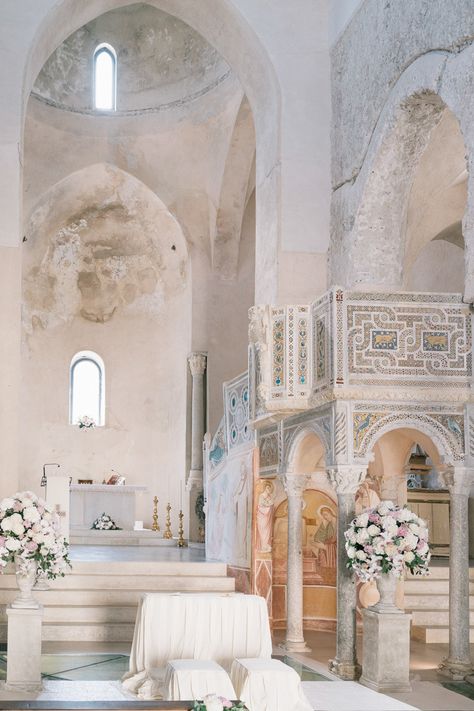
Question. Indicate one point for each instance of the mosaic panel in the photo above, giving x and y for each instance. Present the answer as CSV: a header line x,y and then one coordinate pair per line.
x,y
217,449
268,452
441,423
291,355
236,402
322,343
411,341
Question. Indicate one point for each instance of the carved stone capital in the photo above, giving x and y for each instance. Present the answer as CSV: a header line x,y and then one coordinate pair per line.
x,y
197,363
195,479
457,479
346,478
295,484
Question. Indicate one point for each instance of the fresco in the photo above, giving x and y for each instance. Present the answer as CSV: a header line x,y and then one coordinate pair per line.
x,y
319,540
229,510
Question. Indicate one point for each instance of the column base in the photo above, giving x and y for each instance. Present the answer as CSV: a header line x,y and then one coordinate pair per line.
x,y
29,687
300,647
456,670
385,687
345,670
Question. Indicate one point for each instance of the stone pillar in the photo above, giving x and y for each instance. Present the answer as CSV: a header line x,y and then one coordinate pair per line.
x,y
345,479
197,365
294,487
24,649
457,664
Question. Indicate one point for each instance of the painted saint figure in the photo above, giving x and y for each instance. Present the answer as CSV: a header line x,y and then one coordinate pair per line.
x,y
324,544
265,507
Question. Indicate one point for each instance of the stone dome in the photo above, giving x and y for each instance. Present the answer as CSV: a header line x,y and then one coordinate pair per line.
x,y
161,63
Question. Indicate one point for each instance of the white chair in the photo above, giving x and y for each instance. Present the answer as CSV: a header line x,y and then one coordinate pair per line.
x,y
188,679
268,685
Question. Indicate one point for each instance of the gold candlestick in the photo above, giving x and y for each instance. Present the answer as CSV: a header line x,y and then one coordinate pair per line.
x,y
168,534
155,526
181,541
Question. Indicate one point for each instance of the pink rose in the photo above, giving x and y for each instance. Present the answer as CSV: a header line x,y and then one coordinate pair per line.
x,y
225,702
2,541
369,549
374,518
402,531
31,546
18,506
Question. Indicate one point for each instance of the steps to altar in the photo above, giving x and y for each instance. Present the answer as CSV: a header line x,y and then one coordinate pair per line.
x,y
427,599
91,537
97,601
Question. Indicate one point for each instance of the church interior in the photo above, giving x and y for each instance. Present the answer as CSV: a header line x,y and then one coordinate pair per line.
x,y
238,284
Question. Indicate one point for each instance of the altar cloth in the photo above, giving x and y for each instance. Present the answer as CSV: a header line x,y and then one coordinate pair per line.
x,y
188,679
214,626
268,685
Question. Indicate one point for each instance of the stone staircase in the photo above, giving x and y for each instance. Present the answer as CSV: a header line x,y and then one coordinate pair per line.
x,y
97,601
428,601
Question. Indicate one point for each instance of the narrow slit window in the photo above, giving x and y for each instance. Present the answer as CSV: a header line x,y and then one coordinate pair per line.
x,y
105,78
87,381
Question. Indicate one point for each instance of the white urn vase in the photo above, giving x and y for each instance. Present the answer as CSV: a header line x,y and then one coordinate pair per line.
x,y
25,571
387,587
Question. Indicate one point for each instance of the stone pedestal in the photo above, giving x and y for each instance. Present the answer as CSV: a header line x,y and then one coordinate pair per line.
x,y
24,649
386,655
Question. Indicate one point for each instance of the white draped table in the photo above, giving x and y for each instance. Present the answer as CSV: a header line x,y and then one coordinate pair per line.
x,y
219,627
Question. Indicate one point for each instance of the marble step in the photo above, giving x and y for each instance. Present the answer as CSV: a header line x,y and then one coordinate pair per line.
x,y
85,614
146,583
430,602
132,568
428,586
434,634
91,597
91,632
435,617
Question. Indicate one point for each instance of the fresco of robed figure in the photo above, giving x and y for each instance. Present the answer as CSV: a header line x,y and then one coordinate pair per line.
x,y
319,530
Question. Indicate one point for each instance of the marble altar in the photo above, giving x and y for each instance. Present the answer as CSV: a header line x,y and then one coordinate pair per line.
x,y
88,501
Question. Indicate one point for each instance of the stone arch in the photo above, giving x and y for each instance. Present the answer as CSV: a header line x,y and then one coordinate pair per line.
x,y
369,216
224,27
446,433
234,194
307,447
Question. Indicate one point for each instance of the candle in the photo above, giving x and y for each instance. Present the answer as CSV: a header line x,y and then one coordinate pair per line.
x,y
181,495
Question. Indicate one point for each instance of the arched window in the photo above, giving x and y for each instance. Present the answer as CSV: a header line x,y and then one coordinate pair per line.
x,y
87,388
105,78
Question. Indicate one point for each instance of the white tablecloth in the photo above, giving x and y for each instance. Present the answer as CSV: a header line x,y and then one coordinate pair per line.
x,y
189,679
268,685
213,626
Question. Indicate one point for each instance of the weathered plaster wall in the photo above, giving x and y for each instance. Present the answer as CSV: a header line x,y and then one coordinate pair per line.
x,y
105,269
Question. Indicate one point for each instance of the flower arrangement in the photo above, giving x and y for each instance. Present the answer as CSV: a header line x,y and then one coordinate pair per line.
x,y
30,531
212,702
387,539
86,423
105,523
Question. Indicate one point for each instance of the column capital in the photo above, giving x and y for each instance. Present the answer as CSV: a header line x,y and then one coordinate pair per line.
x,y
295,484
346,478
197,363
457,479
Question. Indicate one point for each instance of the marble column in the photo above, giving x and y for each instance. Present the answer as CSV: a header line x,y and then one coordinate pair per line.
x,y
457,664
294,487
346,480
197,365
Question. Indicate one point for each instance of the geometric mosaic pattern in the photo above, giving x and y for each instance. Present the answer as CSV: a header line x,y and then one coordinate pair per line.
x,y
236,403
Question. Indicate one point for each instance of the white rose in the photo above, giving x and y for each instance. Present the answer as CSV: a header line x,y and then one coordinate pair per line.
x,y
362,520
362,536
7,504
410,541
414,528
389,523
351,551
409,557
405,515
13,544
213,703
38,537
31,514
373,530
423,549
383,508
360,555
351,537
13,523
